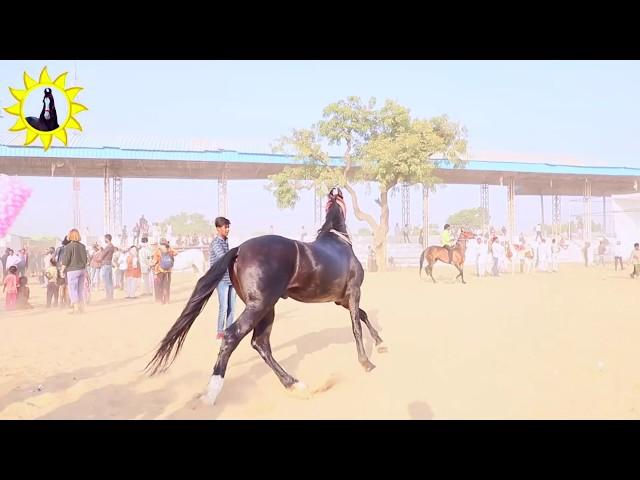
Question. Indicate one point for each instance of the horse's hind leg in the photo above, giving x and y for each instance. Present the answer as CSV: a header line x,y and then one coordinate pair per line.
x,y
354,310
430,267
246,322
364,318
461,274
262,343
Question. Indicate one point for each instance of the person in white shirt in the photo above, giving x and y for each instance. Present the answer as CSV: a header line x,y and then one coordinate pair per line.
x,y
497,253
617,255
481,257
543,253
538,232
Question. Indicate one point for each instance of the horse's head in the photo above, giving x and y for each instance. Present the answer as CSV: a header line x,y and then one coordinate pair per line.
x,y
336,212
335,198
466,234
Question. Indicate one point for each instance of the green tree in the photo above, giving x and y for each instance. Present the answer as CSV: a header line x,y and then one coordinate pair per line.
x,y
188,224
386,146
470,217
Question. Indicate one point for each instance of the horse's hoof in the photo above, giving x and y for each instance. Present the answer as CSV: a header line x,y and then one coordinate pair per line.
x,y
368,366
208,400
299,390
213,390
382,348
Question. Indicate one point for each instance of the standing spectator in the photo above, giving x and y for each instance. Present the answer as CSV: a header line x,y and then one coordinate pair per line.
x,y
5,255
586,253
74,267
136,234
617,255
371,260
124,238
538,232
13,260
421,236
122,267
162,265
226,294
145,255
303,234
52,277
133,272
143,227
482,256
63,297
106,260
543,256
96,267
405,234
634,259
115,265
602,250
10,287
46,263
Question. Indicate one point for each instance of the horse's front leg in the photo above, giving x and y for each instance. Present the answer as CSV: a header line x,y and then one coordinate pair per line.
x,y
354,310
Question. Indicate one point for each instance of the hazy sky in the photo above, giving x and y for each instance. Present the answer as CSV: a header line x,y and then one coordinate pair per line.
x,y
548,111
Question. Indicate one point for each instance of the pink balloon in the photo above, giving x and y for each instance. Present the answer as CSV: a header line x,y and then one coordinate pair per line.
x,y
13,196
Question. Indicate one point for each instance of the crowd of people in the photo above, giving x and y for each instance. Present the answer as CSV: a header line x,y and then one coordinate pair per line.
x,y
71,272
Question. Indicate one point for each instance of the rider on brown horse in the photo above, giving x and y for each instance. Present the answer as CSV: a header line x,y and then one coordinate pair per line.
x,y
447,240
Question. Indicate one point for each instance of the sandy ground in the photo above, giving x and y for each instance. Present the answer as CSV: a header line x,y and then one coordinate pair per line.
x,y
519,346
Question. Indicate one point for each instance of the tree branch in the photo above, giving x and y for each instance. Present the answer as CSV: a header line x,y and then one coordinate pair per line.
x,y
360,215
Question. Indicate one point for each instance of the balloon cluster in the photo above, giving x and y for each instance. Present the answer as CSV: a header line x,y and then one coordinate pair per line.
x,y
13,196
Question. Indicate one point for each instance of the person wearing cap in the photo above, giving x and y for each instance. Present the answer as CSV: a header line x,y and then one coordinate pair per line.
x,y
447,240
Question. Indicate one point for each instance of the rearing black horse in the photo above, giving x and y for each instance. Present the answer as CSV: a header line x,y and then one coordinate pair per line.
x,y
48,117
265,269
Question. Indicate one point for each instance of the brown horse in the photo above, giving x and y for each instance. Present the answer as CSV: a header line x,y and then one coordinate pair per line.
x,y
435,253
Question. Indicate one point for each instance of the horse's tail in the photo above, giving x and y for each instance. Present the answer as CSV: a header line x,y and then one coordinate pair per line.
x,y
421,261
204,288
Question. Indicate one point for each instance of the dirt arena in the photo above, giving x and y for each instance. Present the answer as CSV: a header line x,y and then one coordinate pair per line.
x,y
539,346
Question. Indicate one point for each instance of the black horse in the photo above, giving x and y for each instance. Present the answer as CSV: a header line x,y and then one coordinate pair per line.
x,y
265,269
48,119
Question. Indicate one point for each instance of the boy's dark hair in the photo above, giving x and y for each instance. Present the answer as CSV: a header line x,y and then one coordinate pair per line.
x,y
23,281
53,262
108,236
221,222
144,240
636,245
13,269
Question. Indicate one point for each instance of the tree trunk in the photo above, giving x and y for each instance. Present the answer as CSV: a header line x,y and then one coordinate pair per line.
x,y
380,233
379,230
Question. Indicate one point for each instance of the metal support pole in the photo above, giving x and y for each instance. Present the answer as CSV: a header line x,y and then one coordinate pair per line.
x,y
406,204
425,216
587,211
604,215
556,215
117,205
511,208
484,205
222,197
76,203
107,202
